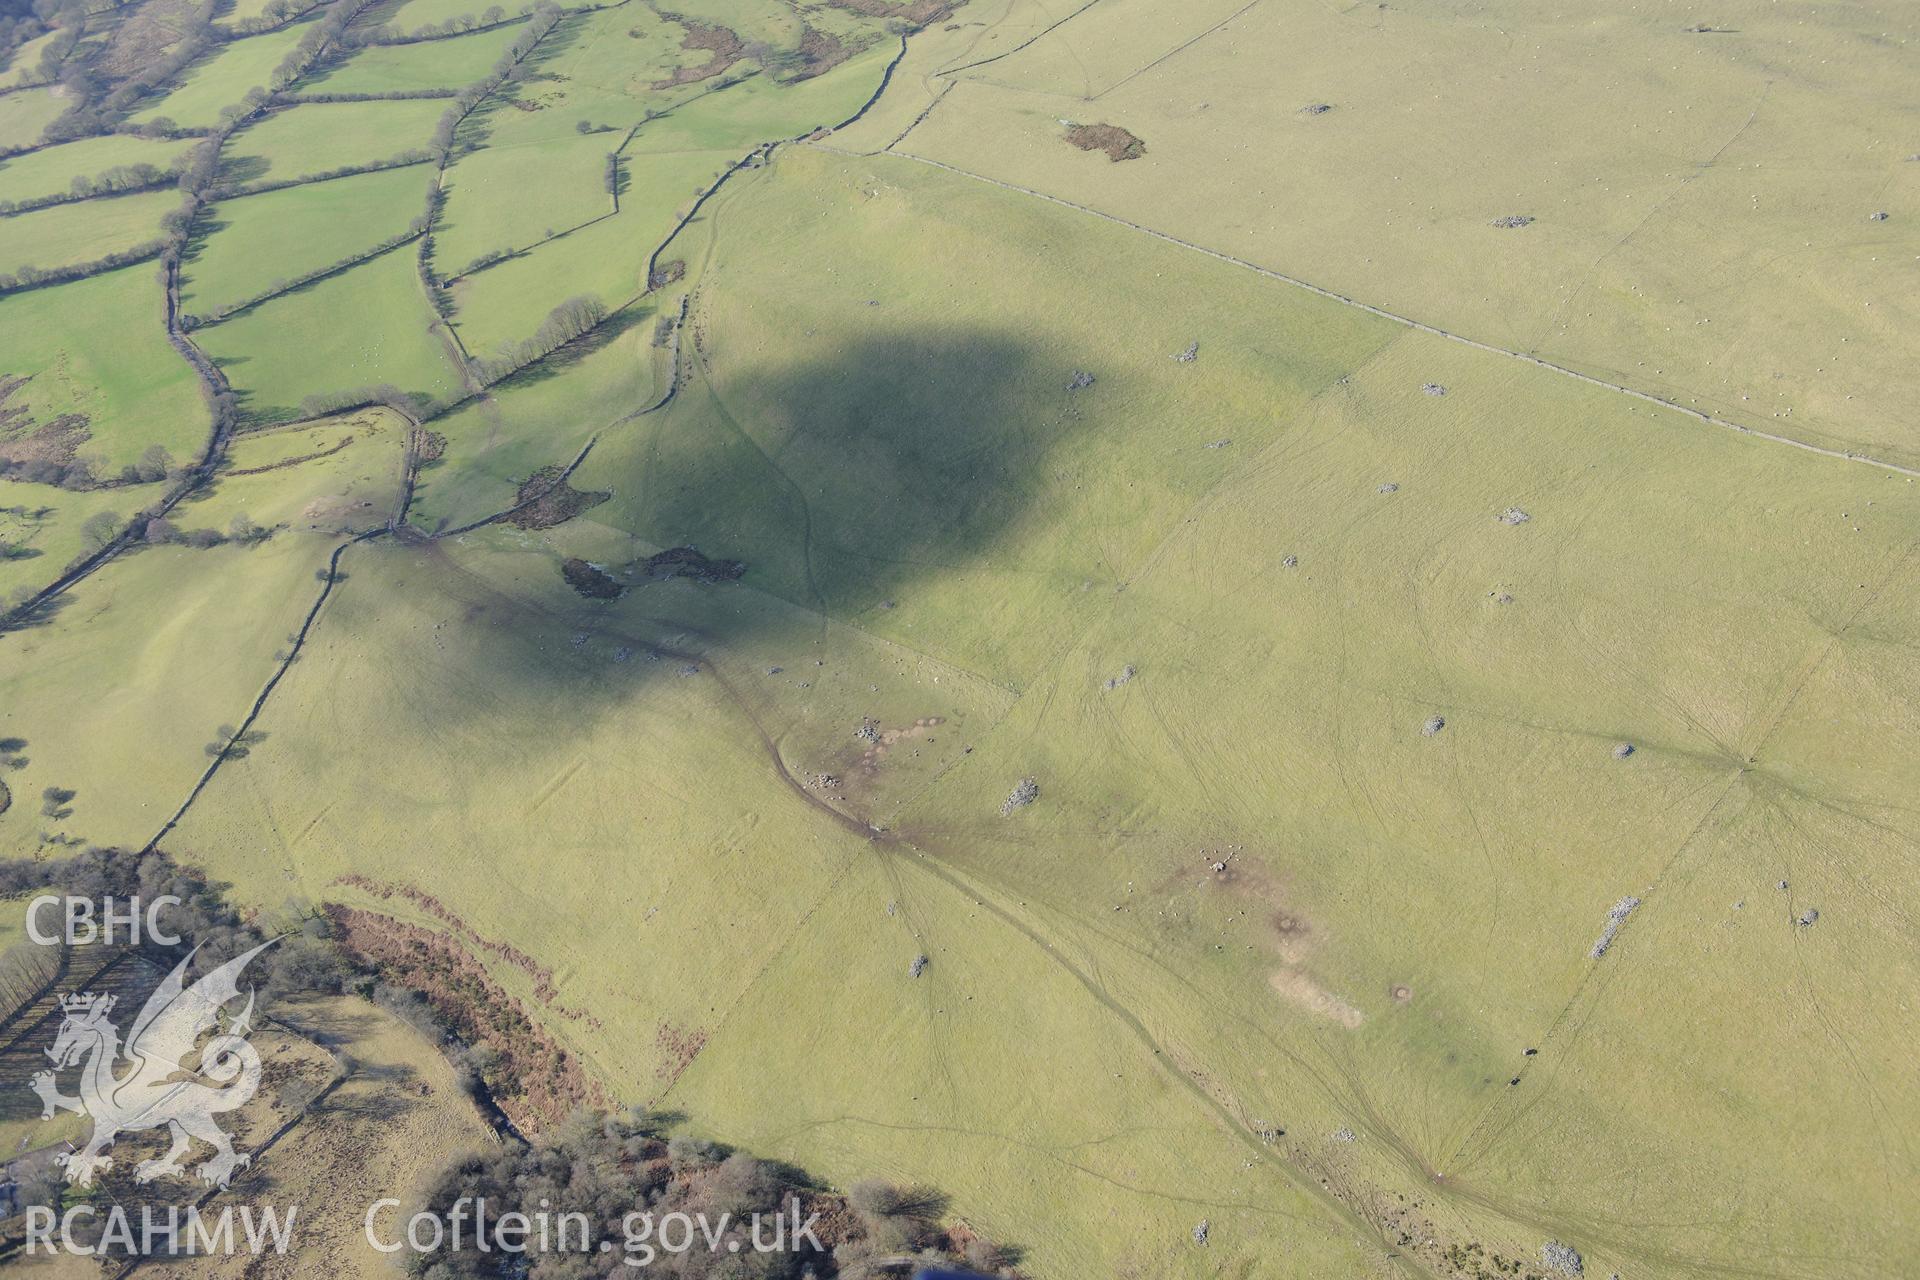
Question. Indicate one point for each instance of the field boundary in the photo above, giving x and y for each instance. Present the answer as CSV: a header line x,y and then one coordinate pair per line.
x,y
1844,455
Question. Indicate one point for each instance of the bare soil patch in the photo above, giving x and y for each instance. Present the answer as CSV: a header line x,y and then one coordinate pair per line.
x,y
1297,989
1118,143
678,1047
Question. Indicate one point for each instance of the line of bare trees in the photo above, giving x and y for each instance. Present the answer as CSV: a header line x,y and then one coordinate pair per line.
x,y
563,324
401,161
121,179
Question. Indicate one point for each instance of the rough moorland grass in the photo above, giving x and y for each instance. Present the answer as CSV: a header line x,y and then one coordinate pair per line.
x,y
1713,244
223,79
1367,858
51,172
507,301
322,136
25,114
792,900
690,475
435,64
98,347
245,244
83,232
365,327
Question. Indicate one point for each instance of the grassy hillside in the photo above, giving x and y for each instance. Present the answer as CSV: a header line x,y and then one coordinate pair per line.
x,y
1205,630
1712,244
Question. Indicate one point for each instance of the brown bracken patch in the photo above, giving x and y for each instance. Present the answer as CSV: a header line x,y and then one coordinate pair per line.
x,y
542,977
820,52
1118,143
535,1081
678,1048
546,499
590,582
722,46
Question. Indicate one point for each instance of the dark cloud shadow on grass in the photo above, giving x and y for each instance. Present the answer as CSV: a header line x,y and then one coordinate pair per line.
x,y
836,483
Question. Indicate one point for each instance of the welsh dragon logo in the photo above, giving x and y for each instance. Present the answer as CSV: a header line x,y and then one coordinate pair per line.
x,y
155,1090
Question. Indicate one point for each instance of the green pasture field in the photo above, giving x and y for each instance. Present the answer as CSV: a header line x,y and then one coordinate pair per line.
x,y
608,259
514,197
319,137
1713,244
52,171
243,245
294,346
67,234
761,108
26,113
434,64
541,417
221,81
1215,779
598,67
46,526
97,347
